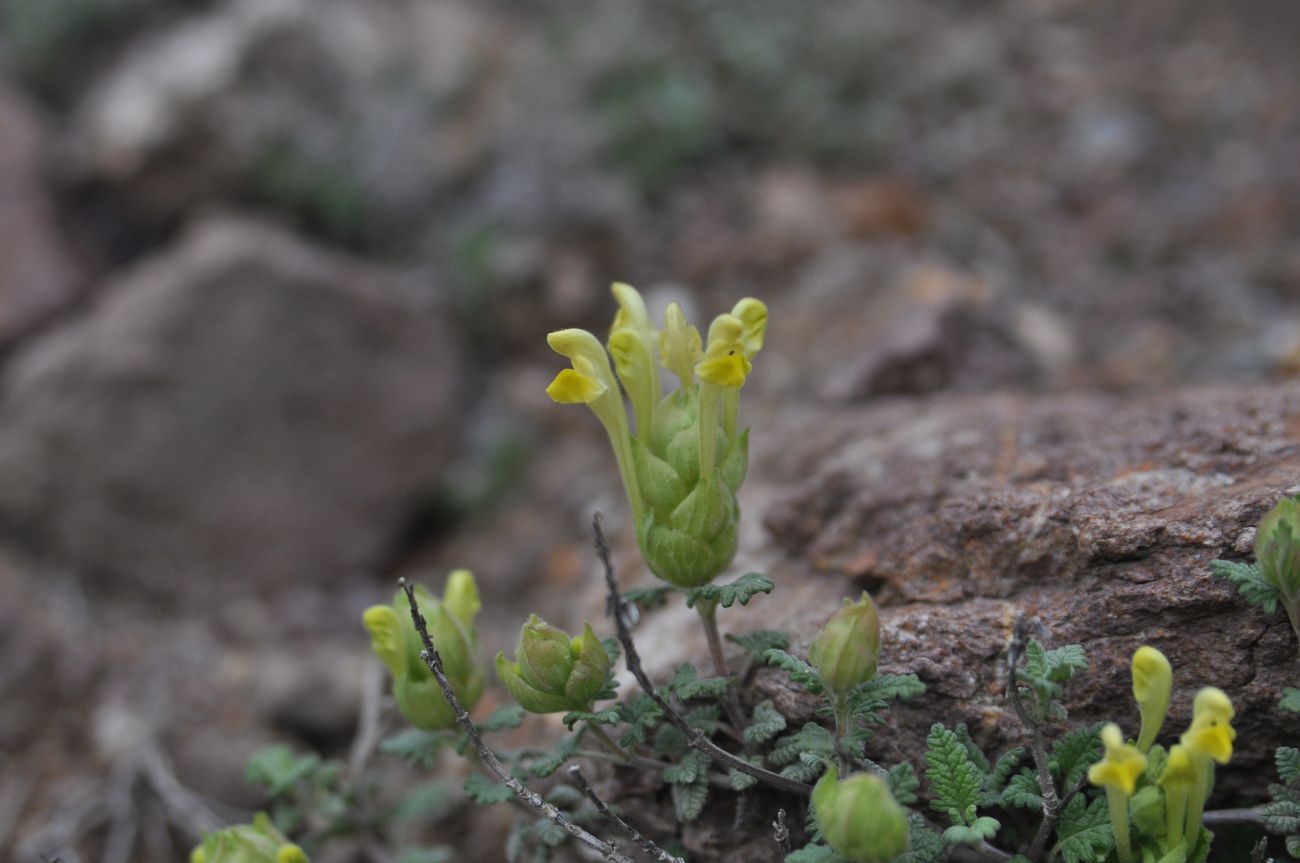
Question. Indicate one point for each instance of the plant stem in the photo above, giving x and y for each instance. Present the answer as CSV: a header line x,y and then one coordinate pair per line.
x,y
1117,800
608,742
648,846
1196,803
841,707
1038,747
708,610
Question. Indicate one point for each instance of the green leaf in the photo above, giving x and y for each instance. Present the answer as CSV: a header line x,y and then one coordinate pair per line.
x,y
1074,753
423,802
903,783
741,590
484,791
1281,817
800,672
999,775
1023,792
1084,830
608,716
1288,763
1290,700
741,781
693,766
980,829
640,714
669,740
505,716
278,769
543,764
814,853
760,641
884,688
955,781
419,748
927,845
648,597
436,854
767,723
1250,583
704,717
1057,665
977,756
688,800
811,739
687,684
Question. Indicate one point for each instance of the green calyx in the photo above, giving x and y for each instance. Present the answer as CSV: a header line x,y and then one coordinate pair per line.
x,y
258,842
553,672
450,621
859,818
846,651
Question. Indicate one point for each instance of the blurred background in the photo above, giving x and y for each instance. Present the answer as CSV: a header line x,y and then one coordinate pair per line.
x,y
275,277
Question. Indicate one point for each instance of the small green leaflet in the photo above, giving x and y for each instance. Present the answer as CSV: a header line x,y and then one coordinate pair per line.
x,y
688,800
1290,700
279,769
687,684
1074,753
800,672
742,781
1023,791
1056,665
760,641
693,767
741,590
423,802
484,791
436,854
813,853
640,714
420,748
980,829
811,739
1250,582
505,716
545,763
955,781
903,783
1084,830
1288,763
648,597
927,845
608,716
767,723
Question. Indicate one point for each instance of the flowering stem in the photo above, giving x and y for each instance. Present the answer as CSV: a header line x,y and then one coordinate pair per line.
x,y
841,707
708,609
608,742
1118,802
1196,803
709,395
1175,814
730,409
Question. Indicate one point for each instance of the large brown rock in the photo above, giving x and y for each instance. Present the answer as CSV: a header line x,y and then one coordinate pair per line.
x,y
1095,516
242,409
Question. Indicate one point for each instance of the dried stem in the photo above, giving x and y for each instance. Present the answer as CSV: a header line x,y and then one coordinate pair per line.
x,y
647,845
430,655
1037,747
781,833
696,738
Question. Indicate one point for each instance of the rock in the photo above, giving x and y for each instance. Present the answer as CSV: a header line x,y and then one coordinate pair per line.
x,y
242,410
1095,516
38,276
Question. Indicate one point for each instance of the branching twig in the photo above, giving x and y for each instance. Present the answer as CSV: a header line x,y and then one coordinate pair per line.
x,y
696,738
781,833
649,847
430,655
1038,747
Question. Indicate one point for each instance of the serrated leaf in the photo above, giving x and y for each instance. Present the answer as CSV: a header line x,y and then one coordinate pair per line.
x,y
640,714
648,597
759,641
999,775
814,853
979,830
505,716
1288,763
741,781
741,590
1250,582
903,783
977,756
1057,665
888,687
955,781
1022,791
812,738
669,740
1290,700
1084,830
927,845
766,724
802,771
688,800
687,684
704,717
608,716
693,766
1293,846
419,748
421,803
1074,753
484,791
544,764
1281,816
278,768
800,672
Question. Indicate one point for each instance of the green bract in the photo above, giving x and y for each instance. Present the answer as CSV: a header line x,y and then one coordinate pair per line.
x,y
451,626
258,842
847,649
1277,552
683,458
859,818
552,672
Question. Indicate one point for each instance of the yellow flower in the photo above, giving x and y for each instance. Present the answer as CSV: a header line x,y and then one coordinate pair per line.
x,y
1122,764
1211,732
1152,680
680,347
752,314
726,361
578,385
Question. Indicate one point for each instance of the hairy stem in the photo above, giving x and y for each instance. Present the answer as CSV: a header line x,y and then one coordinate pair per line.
x,y
1038,748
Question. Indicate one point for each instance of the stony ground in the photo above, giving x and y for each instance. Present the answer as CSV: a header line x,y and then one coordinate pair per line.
x,y
274,281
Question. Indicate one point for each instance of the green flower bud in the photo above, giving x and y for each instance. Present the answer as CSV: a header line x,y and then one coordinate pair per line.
x,y
451,627
1277,551
846,651
859,818
258,842
552,672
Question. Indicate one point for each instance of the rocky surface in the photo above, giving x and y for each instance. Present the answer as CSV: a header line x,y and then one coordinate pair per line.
x,y
244,409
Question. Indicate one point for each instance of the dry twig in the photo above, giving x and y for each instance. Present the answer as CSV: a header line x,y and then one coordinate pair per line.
x,y
649,847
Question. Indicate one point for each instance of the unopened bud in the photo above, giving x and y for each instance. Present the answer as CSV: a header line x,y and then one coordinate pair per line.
x,y
552,672
846,651
859,818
